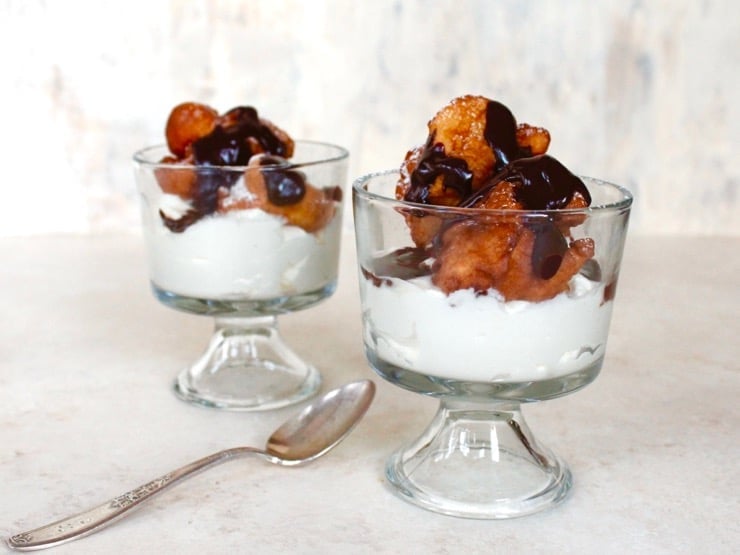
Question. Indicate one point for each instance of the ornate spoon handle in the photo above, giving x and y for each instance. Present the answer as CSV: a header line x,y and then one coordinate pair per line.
x,y
99,517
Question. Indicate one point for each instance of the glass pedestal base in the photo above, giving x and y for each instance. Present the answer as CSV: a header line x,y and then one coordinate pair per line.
x,y
247,366
478,460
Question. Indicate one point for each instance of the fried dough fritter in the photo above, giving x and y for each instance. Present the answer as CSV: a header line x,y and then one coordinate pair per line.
x,y
520,280
535,140
500,252
308,207
473,255
477,156
180,181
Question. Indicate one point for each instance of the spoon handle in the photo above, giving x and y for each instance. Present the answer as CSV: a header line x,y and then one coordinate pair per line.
x,y
97,518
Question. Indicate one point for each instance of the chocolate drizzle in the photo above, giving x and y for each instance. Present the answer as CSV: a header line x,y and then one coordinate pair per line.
x,y
543,183
244,123
284,187
403,263
500,133
548,250
434,163
222,147
178,225
610,291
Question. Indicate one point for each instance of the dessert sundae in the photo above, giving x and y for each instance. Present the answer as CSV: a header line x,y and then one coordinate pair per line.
x,y
499,279
233,213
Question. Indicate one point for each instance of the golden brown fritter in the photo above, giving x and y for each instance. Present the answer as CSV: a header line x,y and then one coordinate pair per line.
x,y
312,212
474,255
497,252
186,123
176,180
535,140
460,128
520,281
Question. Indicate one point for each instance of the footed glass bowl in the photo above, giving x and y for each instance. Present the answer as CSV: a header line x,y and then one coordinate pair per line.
x,y
483,353
255,242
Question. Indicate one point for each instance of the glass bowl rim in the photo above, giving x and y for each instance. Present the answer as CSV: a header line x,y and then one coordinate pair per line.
x,y
340,153
622,204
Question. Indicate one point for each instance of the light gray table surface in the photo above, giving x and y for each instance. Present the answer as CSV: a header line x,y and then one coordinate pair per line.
x,y
87,359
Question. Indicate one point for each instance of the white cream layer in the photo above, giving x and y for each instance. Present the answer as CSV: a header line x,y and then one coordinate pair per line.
x,y
242,254
414,325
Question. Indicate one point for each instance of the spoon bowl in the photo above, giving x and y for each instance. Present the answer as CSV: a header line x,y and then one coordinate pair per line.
x,y
301,439
321,425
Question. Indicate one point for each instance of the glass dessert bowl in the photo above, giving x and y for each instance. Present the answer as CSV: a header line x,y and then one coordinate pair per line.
x,y
244,242
484,351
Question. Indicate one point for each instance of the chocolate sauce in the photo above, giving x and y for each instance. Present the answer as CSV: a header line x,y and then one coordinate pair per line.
x,y
548,249
334,193
544,183
205,197
500,133
610,291
178,225
285,187
433,163
404,263
246,123
376,280
222,147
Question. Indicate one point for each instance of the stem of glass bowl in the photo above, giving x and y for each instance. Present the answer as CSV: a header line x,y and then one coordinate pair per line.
x,y
247,366
479,460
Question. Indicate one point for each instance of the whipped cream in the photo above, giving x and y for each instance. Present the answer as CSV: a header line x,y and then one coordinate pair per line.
x,y
480,338
240,254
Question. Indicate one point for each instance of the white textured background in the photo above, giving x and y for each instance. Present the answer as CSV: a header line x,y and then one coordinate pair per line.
x,y
642,93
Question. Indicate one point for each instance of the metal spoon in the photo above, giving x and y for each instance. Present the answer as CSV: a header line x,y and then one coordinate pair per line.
x,y
301,439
